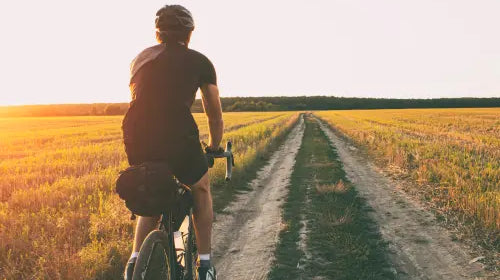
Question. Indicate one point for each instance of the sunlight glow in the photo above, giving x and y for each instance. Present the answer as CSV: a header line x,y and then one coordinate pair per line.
x,y
62,52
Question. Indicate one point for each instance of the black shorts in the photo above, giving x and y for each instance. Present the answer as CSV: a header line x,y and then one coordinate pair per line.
x,y
185,157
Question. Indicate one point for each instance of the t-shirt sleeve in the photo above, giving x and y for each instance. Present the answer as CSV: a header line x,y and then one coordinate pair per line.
x,y
208,75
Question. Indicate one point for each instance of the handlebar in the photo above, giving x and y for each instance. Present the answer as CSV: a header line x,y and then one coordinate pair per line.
x,y
227,153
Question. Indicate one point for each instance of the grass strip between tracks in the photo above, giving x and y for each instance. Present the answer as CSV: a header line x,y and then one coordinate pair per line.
x,y
327,234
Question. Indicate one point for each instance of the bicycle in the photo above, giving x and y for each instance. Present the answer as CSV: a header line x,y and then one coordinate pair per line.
x,y
158,257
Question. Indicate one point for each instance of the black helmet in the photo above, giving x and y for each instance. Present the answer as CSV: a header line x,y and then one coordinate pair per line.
x,y
174,17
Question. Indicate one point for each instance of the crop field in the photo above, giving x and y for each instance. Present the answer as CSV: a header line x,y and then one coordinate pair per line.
x,y
59,215
453,155
295,178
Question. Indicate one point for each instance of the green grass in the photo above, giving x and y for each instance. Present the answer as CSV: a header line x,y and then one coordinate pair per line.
x,y
342,241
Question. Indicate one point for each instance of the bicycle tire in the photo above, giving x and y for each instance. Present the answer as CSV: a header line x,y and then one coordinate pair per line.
x,y
154,261
191,256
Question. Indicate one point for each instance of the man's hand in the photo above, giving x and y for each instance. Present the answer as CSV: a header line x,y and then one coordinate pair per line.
x,y
211,150
210,153
214,148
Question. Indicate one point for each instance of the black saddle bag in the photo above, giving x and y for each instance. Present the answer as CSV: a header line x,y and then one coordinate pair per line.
x,y
149,189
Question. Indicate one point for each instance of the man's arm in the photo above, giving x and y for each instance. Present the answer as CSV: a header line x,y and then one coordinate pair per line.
x,y
212,106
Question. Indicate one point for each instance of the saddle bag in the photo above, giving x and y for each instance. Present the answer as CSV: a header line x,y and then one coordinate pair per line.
x,y
149,189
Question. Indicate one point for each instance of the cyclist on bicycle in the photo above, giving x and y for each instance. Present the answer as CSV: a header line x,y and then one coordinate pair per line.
x,y
159,124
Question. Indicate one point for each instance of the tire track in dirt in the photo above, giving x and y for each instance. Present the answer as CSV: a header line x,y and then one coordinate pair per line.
x,y
419,248
245,234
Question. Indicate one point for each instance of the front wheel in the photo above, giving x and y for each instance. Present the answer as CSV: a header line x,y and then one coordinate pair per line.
x,y
155,258
191,252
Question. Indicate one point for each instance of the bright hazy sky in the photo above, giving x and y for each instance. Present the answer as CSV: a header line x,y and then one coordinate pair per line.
x,y
79,51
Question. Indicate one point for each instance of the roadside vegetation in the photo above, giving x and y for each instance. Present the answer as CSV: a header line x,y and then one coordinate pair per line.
x,y
451,156
327,231
59,215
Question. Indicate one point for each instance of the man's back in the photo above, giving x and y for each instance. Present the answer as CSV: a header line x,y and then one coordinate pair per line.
x,y
163,84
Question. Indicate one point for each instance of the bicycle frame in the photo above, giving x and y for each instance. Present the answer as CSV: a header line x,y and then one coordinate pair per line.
x,y
165,225
169,223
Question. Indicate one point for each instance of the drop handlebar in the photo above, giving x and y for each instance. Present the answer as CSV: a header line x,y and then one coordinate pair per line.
x,y
227,153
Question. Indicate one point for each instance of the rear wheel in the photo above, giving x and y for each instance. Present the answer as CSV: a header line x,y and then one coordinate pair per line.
x,y
155,258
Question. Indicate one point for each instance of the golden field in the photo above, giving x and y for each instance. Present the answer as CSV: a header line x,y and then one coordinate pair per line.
x,y
61,219
452,154
59,215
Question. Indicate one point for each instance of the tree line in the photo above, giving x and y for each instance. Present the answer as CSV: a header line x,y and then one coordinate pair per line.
x,y
240,104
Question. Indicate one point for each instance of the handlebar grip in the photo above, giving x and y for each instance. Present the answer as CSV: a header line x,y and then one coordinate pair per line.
x,y
227,153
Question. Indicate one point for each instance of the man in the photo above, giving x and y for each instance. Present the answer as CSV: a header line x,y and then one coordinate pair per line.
x,y
159,124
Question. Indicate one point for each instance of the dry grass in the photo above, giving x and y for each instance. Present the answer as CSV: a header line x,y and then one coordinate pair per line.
x,y
59,215
452,154
339,187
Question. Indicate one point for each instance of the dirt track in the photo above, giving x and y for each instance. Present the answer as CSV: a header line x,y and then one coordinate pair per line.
x,y
244,237
246,233
419,248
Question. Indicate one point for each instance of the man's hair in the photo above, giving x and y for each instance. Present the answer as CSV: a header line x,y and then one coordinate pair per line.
x,y
172,36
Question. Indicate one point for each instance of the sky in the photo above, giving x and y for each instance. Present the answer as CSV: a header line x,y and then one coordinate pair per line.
x,y
79,52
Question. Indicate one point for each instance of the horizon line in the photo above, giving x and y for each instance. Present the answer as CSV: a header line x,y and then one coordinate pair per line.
x,y
224,97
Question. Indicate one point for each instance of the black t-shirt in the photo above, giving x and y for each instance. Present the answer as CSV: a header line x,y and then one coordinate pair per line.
x,y
164,81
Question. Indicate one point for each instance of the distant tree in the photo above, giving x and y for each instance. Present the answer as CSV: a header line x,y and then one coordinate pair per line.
x,y
93,111
236,107
250,105
113,109
262,106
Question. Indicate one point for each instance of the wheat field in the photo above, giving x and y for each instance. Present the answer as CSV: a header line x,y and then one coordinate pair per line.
x,y
59,215
61,219
452,154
